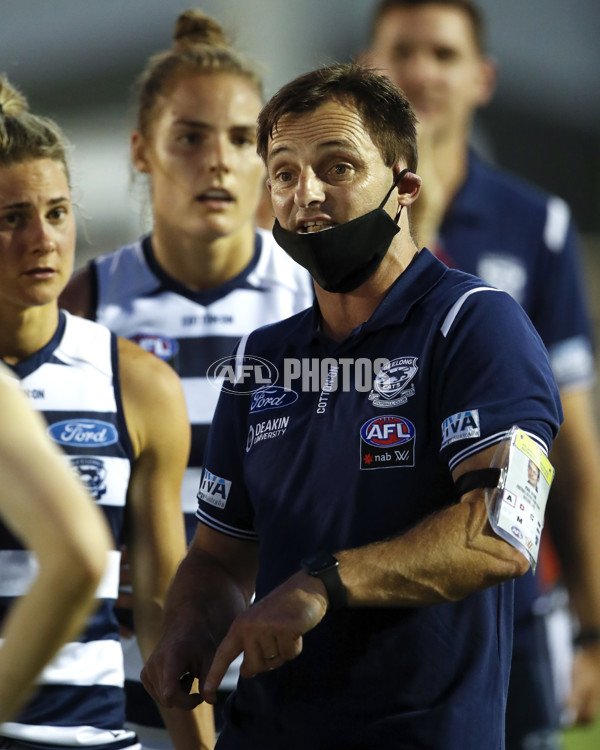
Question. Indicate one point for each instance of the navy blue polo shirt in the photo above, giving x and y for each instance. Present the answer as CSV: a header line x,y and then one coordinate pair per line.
x,y
300,468
520,239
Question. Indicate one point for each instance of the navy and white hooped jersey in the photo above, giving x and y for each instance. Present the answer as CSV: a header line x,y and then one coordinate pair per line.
x,y
355,444
518,238
73,381
138,300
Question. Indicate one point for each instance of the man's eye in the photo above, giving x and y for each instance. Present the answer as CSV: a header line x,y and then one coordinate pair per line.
x,y
10,220
445,55
400,53
190,139
341,170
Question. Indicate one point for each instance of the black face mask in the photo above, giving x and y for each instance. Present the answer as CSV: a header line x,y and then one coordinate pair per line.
x,y
342,258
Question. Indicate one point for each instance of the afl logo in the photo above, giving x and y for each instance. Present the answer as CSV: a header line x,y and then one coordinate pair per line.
x,y
162,347
242,374
84,433
387,431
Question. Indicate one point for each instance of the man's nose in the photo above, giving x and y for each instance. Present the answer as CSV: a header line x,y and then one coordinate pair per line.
x,y
309,190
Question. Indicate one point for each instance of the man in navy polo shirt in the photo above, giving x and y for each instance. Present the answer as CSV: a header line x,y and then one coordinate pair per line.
x,y
383,611
490,223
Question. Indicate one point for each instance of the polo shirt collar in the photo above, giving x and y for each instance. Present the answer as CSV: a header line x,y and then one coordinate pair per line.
x,y
423,273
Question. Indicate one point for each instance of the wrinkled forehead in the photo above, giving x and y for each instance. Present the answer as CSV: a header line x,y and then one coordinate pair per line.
x,y
332,124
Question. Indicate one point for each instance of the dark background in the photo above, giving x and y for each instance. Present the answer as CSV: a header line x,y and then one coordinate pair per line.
x,y
76,61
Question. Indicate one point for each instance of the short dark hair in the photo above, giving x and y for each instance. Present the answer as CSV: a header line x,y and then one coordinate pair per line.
x,y
469,7
383,108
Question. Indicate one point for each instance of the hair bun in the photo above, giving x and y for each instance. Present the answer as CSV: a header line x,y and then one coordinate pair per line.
x,y
194,27
12,102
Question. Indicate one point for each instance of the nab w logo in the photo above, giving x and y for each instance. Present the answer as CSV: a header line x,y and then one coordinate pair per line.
x,y
461,426
213,489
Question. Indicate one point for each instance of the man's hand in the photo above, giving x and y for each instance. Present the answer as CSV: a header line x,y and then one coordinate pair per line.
x,y
169,673
584,700
270,632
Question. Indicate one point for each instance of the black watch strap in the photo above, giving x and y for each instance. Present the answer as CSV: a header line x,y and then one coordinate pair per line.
x,y
324,565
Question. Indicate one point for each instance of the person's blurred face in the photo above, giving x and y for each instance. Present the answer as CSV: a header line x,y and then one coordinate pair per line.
x,y
430,52
533,473
324,169
201,156
37,233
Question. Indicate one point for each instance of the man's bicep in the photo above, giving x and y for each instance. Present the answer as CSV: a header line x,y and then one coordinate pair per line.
x,y
481,497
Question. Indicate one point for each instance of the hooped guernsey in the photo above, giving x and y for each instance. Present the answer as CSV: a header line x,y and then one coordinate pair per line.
x,y
190,330
359,459
74,382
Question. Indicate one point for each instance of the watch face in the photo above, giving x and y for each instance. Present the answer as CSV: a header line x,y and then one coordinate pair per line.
x,y
319,562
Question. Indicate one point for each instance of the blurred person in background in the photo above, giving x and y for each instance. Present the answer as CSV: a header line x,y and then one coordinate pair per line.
x,y
207,274
117,412
60,580
514,236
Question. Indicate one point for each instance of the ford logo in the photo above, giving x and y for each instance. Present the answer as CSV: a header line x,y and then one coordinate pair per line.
x,y
387,431
273,397
242,374
84,433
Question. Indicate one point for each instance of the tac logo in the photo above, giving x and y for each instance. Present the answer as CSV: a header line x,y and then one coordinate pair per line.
x,y
272,397
461,426
214,490
392,386
242,374
387,442
386,432
92,473
84,433
163,347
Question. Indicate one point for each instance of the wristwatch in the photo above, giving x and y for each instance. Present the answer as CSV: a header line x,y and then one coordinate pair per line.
x,y
324,565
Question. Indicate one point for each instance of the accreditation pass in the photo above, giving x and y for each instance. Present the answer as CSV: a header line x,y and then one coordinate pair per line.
x,y
518,515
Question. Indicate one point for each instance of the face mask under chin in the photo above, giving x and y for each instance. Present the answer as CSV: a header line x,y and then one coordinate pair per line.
x,y
342,258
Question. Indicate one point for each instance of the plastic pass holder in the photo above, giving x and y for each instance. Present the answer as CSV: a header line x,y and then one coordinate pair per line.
x,y
516,507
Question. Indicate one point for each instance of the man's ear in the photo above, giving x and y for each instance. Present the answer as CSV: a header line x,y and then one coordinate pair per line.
x,y
139,156
488,75
408,188
268,184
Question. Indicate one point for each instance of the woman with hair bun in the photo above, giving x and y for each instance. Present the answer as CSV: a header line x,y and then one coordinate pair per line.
x,y
206,275
119,415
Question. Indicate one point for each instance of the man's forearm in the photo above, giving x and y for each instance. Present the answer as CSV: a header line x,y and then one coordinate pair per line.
x,y
446,557
204,594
